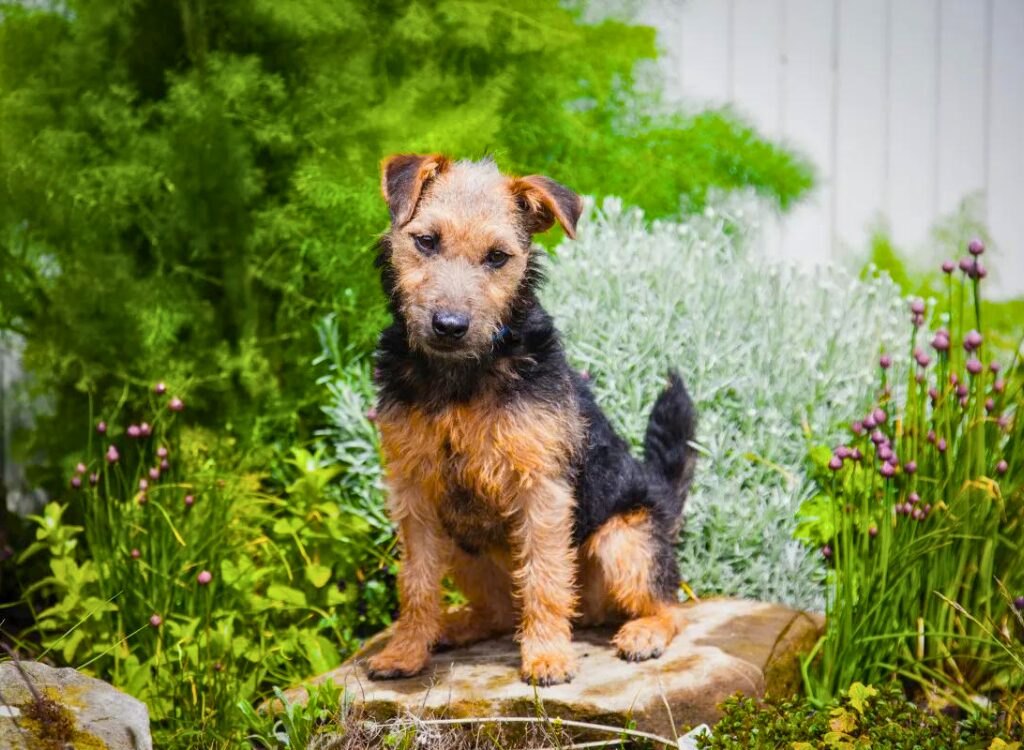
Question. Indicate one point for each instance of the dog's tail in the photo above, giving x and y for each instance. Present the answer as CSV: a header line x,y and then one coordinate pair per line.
x,y
670,429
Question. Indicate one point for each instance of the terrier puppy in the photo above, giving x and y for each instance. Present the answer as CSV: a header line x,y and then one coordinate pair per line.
x,y
501,469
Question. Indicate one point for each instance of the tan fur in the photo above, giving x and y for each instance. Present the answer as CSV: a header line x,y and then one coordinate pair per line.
x,y
616,569
487,585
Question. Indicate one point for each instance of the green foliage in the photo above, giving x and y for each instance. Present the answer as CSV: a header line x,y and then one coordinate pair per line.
x,y
924,525
1004,319
188,586
185,186
862,717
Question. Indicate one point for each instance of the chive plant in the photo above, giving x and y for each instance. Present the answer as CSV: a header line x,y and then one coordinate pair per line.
x,y
923,516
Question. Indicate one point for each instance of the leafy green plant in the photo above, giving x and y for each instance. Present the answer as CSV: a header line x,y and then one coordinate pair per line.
x,y
862,716
183,582
921,515
184,186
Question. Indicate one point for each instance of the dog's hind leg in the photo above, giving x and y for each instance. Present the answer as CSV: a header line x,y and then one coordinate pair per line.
x,y
634,566
489,612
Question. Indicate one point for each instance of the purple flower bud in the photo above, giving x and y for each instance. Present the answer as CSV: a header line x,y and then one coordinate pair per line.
x,y
952,378
176,404
894,460
917,514
975,246
917,306
941,445
922,359
80,468
154,473
143,484
162,452
966,264
145,429
218,667
371,414
155,620
1018,603
135,553
142,498
826,552
931,436
999,386
835,463
979,271
948,266
885,361
1004,423
101,428
933,394
989,405
134,431
204,577
914,498
857,428
842,451
1002,466
165,465
872,531
910,467
940,343
919,378
880,416
112,455
160,389
993,367
961,390
585,375
869,422
94,479
963,402
877,437
76,481
189,500
918,320
884,453
856,455
887,470
974,366
972,340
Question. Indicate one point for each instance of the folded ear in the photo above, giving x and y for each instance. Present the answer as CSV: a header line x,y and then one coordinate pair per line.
x,y
544,201
402,179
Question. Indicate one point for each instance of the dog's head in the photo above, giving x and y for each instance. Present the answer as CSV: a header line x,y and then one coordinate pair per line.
x,y
457,254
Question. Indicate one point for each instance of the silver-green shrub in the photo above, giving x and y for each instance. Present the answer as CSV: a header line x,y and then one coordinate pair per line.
x,y
771,353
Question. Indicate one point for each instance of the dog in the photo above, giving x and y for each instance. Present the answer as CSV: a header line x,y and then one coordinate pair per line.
x,y
501,469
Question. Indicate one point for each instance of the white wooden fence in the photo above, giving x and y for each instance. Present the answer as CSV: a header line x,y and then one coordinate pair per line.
x,y
905,106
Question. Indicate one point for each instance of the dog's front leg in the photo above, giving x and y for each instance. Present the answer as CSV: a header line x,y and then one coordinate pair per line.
x,y
425,552
545,582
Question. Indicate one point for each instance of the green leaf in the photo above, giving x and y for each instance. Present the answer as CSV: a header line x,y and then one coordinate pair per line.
x,y
318,574
286,595
859,695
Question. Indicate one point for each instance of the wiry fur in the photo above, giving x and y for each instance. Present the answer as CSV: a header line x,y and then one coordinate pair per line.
x,y
501,467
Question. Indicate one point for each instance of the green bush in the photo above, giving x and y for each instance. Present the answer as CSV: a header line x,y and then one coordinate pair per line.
x,y
191,588
185,187
921,515
862,717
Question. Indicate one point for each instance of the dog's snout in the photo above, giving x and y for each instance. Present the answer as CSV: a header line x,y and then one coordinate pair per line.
x,y
448,324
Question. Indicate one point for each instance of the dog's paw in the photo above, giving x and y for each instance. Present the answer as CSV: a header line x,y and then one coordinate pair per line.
x,y
642,639
548,668
398,660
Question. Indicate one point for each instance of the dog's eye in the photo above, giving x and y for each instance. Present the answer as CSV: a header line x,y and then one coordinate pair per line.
x,y
496,258
425,243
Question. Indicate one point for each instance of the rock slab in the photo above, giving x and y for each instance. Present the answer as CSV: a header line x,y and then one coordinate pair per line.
x,y
728,646
100,715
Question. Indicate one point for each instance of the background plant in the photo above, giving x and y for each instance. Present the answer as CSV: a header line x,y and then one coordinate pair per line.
x,y
185,186
767,350
922,513
188,585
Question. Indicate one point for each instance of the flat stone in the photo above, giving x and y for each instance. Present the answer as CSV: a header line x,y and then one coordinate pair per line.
x,y
99,716
729,646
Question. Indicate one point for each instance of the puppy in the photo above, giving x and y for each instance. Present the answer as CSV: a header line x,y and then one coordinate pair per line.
x,y
501,469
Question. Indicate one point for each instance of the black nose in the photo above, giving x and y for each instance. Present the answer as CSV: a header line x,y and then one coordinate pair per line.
x,y
450,324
